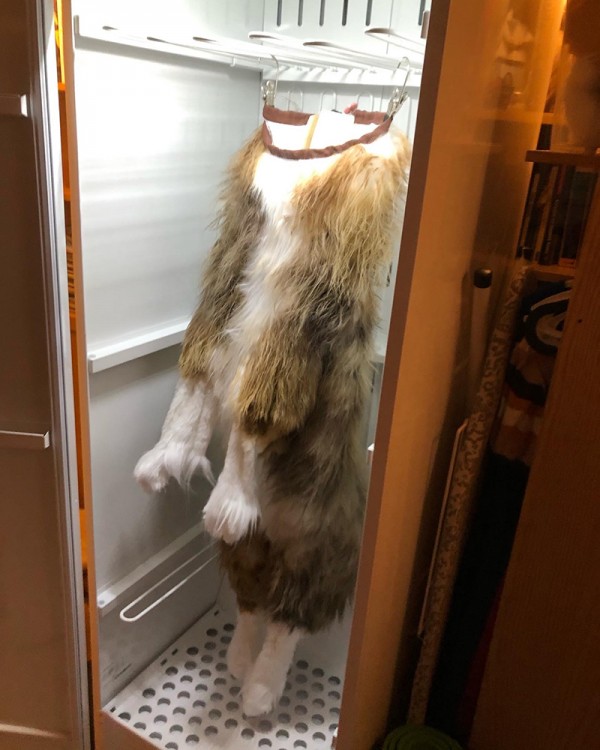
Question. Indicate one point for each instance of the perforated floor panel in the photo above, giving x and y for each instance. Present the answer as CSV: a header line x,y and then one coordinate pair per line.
x,y
187,698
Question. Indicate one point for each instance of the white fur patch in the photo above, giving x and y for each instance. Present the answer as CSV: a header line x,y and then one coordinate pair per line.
x,y
265,682
243,648
275,179
232,510
186,433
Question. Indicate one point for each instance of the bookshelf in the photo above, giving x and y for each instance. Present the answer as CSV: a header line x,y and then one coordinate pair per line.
x,y
553,272
557,209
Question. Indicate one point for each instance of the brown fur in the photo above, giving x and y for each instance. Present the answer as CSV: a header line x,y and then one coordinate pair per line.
x,y
303,387
239,225
346,217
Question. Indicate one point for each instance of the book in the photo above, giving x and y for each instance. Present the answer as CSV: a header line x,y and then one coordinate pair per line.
x,y
533,210
531,193
545,202
554,232
580,197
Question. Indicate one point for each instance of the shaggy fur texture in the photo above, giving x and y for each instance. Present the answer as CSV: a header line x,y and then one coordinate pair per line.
x,y
283,334
265,682
233,509
186,433
282,340
239,224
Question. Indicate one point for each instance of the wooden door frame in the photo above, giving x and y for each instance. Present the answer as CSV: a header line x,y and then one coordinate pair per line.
x,y
382,650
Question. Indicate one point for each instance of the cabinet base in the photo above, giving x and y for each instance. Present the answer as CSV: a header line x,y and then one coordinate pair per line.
x,y
186,698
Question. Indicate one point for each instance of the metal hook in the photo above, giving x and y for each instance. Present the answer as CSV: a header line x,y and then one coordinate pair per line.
x,y
372,100
333,94
269,88
293,92
399,96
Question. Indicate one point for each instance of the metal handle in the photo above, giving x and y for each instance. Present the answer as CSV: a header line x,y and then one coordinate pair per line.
x,y
124,613
37,441
13,104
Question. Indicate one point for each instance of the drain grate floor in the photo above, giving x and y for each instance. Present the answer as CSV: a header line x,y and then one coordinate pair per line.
x,y
187,698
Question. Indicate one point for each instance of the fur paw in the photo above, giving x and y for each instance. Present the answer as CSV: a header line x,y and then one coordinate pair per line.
x,y
242,650
259,699
230,515
239,657
265,683
150,472
176,460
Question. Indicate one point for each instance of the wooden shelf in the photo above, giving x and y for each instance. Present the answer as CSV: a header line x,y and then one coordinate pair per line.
x,y
553,273
584,160
517,115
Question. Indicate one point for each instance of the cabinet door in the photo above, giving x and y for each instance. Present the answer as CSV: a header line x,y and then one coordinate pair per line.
x,y
541,687
41,687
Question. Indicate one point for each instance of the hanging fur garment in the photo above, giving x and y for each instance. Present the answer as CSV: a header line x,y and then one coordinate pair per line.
x,y
281,343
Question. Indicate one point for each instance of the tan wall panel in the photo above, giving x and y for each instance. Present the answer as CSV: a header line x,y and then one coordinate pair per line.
x,y
468,182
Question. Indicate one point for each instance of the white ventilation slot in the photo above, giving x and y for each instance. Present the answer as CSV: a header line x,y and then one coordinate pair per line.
x,y
329,12
187,698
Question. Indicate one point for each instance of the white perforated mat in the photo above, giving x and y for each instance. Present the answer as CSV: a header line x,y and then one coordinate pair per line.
x,y
187,699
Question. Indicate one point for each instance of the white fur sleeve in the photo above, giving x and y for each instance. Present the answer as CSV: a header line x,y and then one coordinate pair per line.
x,y
233,510
186,433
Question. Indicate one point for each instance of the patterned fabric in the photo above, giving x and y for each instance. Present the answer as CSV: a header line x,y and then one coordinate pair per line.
x,y
462,494
497,508
530,371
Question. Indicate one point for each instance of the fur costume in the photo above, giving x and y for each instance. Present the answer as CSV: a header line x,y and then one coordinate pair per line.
x,y
281,344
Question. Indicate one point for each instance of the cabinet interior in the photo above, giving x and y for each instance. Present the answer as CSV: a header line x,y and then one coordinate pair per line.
x,y
152,128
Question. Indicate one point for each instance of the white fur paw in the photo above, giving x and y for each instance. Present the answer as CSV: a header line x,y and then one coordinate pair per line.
x,y
230,516
259,699
175,459
150,472
239,657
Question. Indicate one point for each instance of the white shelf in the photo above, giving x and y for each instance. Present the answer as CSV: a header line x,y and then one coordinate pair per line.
x,y
126,350
111,355
187,698
303,62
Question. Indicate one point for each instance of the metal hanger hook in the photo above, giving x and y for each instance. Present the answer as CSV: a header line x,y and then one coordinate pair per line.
x,y
371,99
269,88
333,93
399,96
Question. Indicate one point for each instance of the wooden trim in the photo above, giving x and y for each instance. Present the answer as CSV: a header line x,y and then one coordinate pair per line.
x,y
583,160
378,635
80,378
553,273
452,197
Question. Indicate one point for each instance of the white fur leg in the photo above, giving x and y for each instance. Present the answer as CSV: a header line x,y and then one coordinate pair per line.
x,y
232,510
242,649
181,450
265,682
